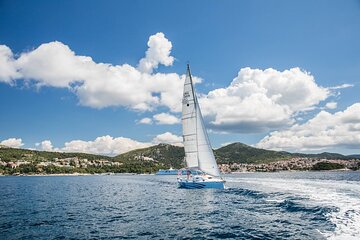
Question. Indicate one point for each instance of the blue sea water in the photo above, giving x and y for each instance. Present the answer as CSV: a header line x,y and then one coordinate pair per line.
x,y
286,205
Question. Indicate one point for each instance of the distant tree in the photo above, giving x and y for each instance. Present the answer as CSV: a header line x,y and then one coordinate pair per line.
x,y
327,166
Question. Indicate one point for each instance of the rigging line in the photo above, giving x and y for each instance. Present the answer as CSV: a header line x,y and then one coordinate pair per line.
x,y
186,118
190,134
190,151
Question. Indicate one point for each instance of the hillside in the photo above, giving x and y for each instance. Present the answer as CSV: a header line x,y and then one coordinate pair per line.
x,y
12,154
325,155
146,160
242,153
24,161
170,155
164,154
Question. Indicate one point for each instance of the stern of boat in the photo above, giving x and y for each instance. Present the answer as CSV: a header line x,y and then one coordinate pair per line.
x,y
192,184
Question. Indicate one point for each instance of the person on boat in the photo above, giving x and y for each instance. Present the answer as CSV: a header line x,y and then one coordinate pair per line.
x,y
188,174
180,171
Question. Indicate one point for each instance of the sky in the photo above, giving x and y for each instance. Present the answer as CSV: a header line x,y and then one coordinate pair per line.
x,y
106,77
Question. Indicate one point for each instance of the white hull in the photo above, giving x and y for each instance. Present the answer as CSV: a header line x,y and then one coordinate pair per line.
x,y
201,182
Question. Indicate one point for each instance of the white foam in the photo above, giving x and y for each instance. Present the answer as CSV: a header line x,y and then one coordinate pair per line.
x,y
342,195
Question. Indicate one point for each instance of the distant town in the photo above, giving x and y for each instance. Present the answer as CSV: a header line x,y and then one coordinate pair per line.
x,y
299,164
83,165
73,162
56,165
236,157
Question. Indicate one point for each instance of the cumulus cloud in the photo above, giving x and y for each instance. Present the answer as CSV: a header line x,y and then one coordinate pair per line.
x,y
145,121
331,105
168,138
104,145
160,119
99,85
12,142
259,100
255,101
166,118
53,64
325,130
45,145
157,53
8,70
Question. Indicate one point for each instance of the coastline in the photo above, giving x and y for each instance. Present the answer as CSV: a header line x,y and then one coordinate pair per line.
x,y
111,173
46,175
71,174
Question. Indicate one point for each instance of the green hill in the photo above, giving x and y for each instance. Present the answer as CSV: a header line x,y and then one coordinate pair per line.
x,y
172,156
325,155
145,160
12,154
164,154
242,153
169,155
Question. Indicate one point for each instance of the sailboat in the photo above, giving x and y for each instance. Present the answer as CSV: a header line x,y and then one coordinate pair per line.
x,y
202,170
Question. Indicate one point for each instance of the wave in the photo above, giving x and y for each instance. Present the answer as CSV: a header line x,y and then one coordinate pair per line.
x,y
246,192
337,200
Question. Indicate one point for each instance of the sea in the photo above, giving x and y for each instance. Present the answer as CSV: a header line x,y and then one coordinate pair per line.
x,y
282,205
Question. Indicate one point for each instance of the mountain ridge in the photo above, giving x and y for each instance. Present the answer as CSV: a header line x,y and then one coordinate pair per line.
x,y
231,153
166,155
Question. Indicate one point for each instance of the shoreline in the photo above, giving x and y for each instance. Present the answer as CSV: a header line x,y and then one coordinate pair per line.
x,y
111,173
72,174
331,170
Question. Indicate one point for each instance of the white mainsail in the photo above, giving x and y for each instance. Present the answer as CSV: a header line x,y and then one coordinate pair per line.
x,y
198,151
189,123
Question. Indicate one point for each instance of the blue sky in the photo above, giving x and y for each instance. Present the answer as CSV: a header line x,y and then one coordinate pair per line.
x,y
219,38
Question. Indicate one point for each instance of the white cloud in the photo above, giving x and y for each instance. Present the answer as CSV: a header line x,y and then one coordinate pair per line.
x,y
8,71
98,85
168,138
325,130
258,100
145,121
225,144
157,53
160,119
12,142
54,64
166,118
345,85
331,105
46,145
106,145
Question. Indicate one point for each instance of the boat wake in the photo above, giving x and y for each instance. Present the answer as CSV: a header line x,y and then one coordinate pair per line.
x,y
338,201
